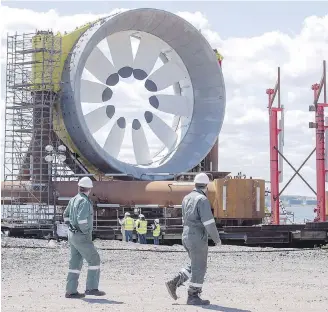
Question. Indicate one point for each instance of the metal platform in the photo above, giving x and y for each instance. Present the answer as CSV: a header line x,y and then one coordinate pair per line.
x,y
295,235
292,235
28,230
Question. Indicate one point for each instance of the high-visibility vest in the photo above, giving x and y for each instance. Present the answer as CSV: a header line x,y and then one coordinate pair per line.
x,y
142,226
219,56
157,230
128,224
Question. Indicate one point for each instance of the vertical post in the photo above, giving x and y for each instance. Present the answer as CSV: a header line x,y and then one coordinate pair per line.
x,y
326,147
274,145
320,163
320,126
274,166
325,104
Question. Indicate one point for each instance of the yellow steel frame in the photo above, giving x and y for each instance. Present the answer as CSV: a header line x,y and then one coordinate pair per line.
x,y
43,43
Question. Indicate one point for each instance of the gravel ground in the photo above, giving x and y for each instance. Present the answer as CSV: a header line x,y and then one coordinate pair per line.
x,y
239,279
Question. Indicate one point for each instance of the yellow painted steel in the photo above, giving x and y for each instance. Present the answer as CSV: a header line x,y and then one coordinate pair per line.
x,y
47,76
45,42
46,57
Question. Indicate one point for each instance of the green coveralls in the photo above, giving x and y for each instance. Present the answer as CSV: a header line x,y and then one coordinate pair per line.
x,y
198,222
79,216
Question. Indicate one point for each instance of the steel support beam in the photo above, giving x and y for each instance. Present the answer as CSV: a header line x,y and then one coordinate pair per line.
x,y
297,171
274,157
320,144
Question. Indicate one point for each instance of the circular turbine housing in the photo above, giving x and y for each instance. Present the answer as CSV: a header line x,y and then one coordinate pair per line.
x,y
206,81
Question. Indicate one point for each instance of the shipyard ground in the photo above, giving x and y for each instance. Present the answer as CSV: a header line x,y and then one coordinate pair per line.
x,y
239,279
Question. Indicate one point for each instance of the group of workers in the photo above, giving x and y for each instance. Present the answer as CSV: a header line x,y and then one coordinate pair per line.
x,y
141,225
198,222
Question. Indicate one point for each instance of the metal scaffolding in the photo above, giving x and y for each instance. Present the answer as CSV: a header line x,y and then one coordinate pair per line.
x,y
31,85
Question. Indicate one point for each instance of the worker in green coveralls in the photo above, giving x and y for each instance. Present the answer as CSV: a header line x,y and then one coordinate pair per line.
x,y
79,217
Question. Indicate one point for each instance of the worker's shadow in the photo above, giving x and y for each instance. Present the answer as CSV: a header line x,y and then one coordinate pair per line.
x,y
102,301
215,307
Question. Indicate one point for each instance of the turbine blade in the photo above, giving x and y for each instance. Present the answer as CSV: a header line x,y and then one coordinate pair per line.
x,y
94,92
100,66
140,144
99,117
121,52
146,57
165,133
115,138
171,104
165,76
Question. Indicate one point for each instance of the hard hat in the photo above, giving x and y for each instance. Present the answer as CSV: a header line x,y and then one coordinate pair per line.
x,y
201,178
85,182
157,220
141,216
127,214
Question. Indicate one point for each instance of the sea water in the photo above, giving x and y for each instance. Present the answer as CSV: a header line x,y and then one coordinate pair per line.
x,y
302,213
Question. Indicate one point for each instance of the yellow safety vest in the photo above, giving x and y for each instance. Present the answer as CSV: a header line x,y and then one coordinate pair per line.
x,y
128,224
157,230
142,226
219,56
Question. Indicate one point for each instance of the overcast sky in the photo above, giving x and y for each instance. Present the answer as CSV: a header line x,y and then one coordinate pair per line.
x,y
255,38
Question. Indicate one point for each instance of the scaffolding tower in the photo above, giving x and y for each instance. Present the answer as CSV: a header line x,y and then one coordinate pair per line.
x,y
30,99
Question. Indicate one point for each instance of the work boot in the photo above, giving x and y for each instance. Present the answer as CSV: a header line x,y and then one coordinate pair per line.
x,y
193,297
76,295
174,283
95,292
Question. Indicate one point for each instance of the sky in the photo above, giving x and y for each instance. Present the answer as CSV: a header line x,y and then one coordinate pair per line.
x,y
254,38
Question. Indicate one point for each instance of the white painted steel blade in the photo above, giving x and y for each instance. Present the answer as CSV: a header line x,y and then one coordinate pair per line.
x,y
165,76
94,92
140,144
98,118
146,57
165,133
115,138
100,66
171,104
121,51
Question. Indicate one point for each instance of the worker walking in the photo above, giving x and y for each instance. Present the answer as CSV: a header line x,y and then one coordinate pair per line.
x,y
198,222
141,227
156,231
78,215
128,224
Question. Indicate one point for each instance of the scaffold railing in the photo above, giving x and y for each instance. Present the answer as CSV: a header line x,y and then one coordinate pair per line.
x,y
30,98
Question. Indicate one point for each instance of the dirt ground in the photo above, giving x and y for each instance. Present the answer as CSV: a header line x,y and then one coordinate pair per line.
x,y
239,279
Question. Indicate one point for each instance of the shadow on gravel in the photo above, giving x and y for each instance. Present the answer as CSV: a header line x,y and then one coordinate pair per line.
x,y
102,301
215,307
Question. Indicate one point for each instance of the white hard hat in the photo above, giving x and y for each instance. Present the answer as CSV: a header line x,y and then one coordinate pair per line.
x,y
85,182
127,214
201,178
141,216
157,220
